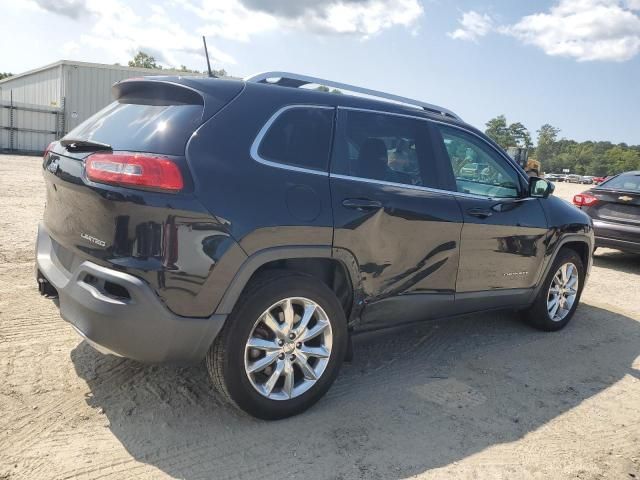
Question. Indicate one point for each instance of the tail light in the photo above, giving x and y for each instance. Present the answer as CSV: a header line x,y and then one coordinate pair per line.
x,y
134,169
47,150
584,200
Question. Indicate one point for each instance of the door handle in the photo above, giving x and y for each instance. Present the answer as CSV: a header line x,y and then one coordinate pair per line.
x,y
479,212
361,204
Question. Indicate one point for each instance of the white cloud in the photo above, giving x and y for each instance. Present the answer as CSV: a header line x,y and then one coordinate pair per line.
x,y
586,30
362,18
70,48
472,26
170,29
241,19
67,8
228,19
121,32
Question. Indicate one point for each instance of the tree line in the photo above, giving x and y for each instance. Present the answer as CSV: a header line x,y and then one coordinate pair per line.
x,y
557,153
144,60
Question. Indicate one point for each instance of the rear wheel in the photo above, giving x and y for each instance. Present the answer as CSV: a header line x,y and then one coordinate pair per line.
x,y
559,296
281,348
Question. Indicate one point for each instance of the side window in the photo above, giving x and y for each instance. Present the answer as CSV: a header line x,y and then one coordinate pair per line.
x,y
381,147
300,136
478,169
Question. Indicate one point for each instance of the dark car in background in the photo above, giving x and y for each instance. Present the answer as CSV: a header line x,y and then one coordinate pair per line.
x,y
258,225
614,206
573,178
586,179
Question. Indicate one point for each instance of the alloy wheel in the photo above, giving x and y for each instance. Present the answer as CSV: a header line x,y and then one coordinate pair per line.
x,y
563,292
288,348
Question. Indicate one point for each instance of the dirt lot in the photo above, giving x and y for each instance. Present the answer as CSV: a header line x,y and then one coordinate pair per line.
x,y
482,396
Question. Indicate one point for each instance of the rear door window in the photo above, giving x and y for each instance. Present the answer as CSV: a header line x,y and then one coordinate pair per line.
x,y
144,123
300,137
384,147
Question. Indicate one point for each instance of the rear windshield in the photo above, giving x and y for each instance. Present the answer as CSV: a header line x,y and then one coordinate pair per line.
x,y
140,125
626,181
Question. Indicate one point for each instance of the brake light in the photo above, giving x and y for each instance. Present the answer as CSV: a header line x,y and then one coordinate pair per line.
x,y
47,150
134,169
584,200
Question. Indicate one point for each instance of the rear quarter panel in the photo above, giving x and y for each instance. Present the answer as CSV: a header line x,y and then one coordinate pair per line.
x,y
261,206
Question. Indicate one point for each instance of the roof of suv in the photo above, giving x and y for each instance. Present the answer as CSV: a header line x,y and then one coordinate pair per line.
x,y
308,96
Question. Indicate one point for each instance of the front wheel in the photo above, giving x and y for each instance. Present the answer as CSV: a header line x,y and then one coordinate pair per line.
x,y
558,298
281,348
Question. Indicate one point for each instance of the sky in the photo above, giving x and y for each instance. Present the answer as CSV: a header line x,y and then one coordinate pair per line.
x,y
572,63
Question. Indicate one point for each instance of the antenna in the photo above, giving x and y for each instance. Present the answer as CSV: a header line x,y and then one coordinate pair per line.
x,y
206,54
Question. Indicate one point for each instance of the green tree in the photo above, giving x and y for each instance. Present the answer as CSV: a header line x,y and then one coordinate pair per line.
x,y
498,131
621,159
547,136
218,73
508,135
4,75
556,154
143,60
520,135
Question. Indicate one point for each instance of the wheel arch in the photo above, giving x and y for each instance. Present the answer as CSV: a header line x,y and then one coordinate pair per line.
x,y
581,244
582,248
336,269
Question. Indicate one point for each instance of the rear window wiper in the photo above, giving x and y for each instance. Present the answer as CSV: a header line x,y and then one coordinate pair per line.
x,y
76,145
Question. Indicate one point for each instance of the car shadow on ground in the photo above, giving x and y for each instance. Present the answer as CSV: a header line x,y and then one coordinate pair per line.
x,y
414,398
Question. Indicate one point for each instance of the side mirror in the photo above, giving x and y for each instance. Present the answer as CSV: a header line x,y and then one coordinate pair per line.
x,y
540,188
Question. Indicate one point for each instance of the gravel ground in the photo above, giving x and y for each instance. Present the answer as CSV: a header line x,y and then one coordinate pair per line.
x,y
482,396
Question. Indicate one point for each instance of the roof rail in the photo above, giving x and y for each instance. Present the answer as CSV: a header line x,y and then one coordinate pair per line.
x,y
296,80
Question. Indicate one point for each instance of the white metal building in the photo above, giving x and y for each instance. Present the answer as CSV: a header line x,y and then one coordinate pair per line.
x,y
41,105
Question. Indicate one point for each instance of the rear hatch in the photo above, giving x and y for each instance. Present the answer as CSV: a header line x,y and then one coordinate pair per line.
x,y
618,200
118,181
617,206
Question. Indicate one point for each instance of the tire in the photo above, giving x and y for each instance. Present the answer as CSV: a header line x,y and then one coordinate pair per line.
x,y
539,314
230,358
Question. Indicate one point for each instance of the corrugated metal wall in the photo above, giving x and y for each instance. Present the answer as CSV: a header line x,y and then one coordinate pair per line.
x,y
34,126
4,134
81,88
39,88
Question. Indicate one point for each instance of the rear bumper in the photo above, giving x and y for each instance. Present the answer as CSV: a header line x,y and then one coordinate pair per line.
x,y
619,236
132,322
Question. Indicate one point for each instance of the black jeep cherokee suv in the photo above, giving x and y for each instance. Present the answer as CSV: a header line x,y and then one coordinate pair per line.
x,y
258,224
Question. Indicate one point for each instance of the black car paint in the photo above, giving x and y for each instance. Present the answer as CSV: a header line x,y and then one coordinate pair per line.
x,y
616,222
198,248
